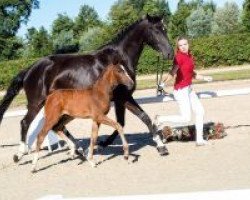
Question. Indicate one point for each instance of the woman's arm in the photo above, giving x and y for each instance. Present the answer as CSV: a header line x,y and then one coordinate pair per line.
x,y
170,75
202,77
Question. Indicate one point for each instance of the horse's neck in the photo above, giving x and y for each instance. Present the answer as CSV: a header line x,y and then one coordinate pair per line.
x,y
131,46
103,88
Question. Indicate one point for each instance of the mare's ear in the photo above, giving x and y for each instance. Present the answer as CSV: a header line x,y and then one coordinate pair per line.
x,y
147,16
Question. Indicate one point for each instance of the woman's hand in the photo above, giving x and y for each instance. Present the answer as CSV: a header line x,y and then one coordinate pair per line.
x,y
208,78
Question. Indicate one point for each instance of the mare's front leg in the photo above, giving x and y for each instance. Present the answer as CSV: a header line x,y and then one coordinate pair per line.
x,y
105,120
60,126
133,106
120,116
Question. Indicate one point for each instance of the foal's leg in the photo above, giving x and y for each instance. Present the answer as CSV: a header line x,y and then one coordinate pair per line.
x,y
93,139
51,119
105,120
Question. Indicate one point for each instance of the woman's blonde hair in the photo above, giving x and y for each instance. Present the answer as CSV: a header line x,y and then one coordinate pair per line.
x,y
178,39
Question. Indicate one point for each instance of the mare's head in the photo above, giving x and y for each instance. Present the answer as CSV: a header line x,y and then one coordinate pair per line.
x,y
156,35
117,75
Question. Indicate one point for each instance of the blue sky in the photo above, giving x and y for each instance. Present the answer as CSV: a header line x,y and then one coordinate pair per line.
x,y
49,9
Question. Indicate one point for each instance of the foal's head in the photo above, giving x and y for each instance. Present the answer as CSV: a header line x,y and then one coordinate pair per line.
x,y
117,74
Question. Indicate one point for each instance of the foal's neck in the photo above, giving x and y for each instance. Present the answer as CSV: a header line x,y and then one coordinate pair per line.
x,y
103,86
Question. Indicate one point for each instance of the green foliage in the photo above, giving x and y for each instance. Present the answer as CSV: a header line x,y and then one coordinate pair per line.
x,y
148,62
62,23
178,24
91,39
8,69
13,13
125,12
222,50
9,47
208,51
226,19
87,18
39,43
199,22
65,42
246,15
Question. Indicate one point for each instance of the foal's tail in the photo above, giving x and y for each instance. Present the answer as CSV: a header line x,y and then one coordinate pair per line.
x,y
14,88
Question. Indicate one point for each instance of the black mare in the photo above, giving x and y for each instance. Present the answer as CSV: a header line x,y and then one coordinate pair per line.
x,y
80,71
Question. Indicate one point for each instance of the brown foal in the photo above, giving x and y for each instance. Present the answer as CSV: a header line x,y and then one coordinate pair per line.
x,y
93,102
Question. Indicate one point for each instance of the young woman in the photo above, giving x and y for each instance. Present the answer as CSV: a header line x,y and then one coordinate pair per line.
x,y
183,71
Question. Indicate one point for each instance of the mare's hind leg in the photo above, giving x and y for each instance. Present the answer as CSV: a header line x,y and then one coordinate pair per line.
x,y
105,120
25,123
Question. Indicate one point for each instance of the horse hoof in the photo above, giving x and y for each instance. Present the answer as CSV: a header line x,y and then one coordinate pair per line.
x,y
15,158
93,164
163,151
125,157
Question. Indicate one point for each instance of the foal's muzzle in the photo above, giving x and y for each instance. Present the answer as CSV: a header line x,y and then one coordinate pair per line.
x,y
130,84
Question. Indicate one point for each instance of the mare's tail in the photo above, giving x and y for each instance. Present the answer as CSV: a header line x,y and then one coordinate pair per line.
x,y
14,88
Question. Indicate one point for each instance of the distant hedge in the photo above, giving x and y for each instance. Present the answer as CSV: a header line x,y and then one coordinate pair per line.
x,y
222,50
214,51
8,69
208,51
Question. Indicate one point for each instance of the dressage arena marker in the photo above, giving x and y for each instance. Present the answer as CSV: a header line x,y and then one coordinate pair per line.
x,y
208,195
51,139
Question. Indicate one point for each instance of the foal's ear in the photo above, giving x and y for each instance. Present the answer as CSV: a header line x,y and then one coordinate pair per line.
x,y
116,59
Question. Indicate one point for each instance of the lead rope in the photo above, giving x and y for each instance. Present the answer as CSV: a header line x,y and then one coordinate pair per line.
x,y
159,73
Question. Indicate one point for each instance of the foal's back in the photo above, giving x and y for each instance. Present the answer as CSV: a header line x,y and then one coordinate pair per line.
x,y
77,103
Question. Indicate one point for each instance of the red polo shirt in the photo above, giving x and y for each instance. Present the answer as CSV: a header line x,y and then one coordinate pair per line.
x,y
185,70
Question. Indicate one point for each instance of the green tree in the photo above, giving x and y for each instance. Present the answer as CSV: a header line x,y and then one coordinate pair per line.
x,y
62,23
91,39
13,13
87,18
177,25
39,43
121,14
199,22
178,22
124,12
9,48
246,15
158,7
226,19
65,42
